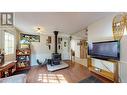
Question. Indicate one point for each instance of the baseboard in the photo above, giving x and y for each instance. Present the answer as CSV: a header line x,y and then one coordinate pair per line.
x,y
123,62
66,60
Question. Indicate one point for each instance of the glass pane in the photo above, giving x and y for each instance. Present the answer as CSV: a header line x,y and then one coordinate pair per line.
x,y
9,19
9,44
6,35
6,43
10,36
9,50
6,50
3,18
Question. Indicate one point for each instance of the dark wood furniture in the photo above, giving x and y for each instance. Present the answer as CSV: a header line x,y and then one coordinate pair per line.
x,y
23,57
7,69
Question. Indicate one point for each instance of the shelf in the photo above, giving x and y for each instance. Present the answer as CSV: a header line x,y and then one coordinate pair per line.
x,y
23,57
23,54
106,74
23,68
23,61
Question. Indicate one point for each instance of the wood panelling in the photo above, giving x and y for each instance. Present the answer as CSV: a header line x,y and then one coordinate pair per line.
x,y
83,50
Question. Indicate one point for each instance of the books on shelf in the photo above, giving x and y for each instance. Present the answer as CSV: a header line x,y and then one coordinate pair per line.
x,y
23,57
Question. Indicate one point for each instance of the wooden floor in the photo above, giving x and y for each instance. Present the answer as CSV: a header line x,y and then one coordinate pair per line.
x,y
73,74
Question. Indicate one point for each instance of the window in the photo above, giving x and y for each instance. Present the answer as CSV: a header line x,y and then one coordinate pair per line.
x,y
125,31
6,18
9,43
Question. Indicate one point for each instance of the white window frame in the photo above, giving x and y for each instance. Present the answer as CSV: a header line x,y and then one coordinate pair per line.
x,y
12,38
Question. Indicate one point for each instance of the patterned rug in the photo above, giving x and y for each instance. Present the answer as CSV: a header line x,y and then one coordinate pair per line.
x,y
90,79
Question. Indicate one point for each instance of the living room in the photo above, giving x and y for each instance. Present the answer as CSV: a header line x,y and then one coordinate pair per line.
x,y
54,47
84,41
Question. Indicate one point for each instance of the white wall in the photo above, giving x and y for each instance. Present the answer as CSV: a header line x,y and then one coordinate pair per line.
x,y
75,47
101,30
123,61
41,51
65,51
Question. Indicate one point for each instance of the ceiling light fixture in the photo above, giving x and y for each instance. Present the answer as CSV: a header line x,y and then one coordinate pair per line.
x,y
118,26
39,29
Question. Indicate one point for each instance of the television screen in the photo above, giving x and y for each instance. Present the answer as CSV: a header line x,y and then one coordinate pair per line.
x,y
105,50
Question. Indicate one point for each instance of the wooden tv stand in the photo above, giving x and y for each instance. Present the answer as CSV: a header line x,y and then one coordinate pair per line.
x,y
7,68
113,76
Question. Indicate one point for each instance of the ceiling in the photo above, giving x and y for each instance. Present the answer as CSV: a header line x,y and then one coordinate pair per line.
x,y
65,22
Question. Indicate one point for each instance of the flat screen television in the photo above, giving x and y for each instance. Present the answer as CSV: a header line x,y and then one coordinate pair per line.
x,y
105,50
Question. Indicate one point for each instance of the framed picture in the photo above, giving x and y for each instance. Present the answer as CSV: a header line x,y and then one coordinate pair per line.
x,y
59,40
49,39
29,38
6,18
34,38
65,44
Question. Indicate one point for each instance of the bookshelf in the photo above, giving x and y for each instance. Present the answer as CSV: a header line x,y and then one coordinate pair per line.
x,y
23,57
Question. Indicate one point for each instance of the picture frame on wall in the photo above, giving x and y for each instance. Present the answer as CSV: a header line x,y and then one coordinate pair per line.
x,y
30,38
6,18
59,40
65,44
34,38
49,39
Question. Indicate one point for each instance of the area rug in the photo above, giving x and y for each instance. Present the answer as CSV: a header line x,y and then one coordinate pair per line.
x,y
90,79
62,65
20,78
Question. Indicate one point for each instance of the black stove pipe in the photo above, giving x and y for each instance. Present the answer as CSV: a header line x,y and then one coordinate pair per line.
x,y
56,33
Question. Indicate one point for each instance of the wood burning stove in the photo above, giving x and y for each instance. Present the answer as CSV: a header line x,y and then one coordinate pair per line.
x,y
56,57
